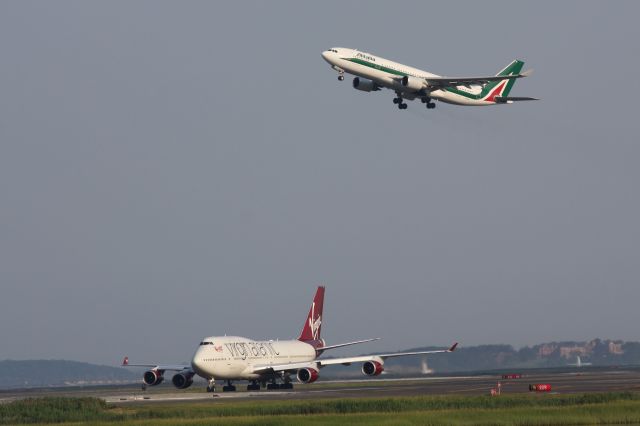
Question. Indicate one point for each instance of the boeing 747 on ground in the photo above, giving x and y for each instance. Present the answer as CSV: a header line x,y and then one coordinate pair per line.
x,y
265,363
373,73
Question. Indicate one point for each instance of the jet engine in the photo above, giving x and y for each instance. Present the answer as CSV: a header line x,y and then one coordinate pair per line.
x,y
307,375
182,380
372,368
153,377
364,84
413,83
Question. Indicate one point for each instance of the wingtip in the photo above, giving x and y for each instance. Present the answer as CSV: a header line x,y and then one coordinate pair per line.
x,y
453,347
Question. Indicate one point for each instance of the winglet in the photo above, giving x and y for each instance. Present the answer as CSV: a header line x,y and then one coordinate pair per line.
x,y
453,348
125,361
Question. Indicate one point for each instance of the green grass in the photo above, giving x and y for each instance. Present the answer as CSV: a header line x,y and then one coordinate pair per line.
x,y
530,410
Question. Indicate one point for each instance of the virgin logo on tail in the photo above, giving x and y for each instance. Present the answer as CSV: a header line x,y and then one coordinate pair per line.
x,y
313,324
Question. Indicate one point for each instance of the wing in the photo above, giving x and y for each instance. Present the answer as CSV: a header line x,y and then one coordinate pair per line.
x,y
350,360
170,367
319,363
442,82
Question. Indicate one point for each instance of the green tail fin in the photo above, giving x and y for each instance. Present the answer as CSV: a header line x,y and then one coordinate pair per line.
x,y
513,68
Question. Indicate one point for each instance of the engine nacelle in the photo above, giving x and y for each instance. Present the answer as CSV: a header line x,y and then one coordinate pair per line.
x,y
153,377
364,84
413,83
307,375
372,368
182,380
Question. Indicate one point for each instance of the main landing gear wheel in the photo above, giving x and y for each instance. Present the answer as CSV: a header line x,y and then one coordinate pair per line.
x,y
431,105
273,385
398,101
229,387
253,386
288,385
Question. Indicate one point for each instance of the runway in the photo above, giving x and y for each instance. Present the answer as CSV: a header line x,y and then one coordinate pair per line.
x,y
609,381
561,382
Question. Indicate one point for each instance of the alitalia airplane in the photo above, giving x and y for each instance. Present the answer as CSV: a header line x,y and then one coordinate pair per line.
x,y
373,73
265,363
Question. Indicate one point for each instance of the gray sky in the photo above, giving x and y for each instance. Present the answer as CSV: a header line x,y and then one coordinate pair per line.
x,y
173,170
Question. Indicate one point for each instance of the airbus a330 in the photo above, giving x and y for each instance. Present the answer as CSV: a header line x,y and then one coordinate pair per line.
x,y
373,73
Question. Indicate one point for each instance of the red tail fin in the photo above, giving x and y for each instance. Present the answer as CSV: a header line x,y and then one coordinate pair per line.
x,y
311,329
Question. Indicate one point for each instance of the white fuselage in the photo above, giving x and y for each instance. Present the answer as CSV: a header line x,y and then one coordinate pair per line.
x,y
231,357
385,74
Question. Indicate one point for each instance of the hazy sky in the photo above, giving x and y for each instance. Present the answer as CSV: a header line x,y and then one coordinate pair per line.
x,y
174,170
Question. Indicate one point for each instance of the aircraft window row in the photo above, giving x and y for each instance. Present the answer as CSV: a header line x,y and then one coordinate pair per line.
x,y
333,50
206,343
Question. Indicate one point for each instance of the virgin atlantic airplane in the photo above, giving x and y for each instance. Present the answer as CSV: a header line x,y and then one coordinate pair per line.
x,y
266,363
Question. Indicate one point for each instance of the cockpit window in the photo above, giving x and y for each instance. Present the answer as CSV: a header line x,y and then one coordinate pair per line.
x,y
206,343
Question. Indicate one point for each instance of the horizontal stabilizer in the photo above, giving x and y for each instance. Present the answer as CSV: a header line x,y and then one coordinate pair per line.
x,y
340,345
509,99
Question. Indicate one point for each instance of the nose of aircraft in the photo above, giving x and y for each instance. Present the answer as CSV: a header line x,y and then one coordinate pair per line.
x,y
325,55
197,362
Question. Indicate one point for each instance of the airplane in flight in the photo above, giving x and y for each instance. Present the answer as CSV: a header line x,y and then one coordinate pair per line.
x,y
264,363
373,73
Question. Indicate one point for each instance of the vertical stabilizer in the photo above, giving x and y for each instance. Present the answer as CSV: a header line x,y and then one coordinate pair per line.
x,y
501,88
311,328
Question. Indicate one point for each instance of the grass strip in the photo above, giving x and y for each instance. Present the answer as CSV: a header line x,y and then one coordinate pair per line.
x,y
623,407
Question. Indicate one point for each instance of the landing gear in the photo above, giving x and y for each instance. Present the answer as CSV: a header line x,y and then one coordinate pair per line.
x,y
273,385
427,100
341,77
398,101
253,386
286,382
211,387
229,387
